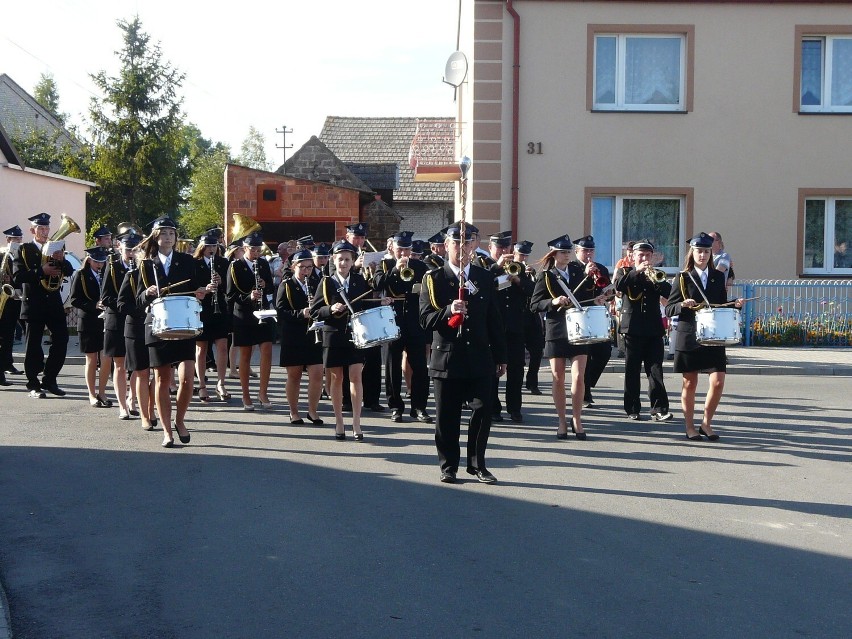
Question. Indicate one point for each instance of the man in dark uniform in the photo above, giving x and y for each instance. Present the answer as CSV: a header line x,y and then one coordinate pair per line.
x,y
469,348
592,287
103,238
437,251
42,308
321,254
12,309
533,327
400,278
356,235
642,326
513,292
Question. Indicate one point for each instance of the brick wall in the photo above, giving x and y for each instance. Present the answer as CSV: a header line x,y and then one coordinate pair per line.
x,y
272,197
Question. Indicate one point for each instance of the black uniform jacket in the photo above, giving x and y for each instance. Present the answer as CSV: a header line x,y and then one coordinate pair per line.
x,y
336,331
547,288
127,304
406,303
182,268
686,287
85,295
114,273
640,310
204,275
481,344
38,303
241,282
290,301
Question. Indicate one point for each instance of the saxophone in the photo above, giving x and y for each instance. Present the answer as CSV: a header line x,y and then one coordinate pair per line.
x,y
7,291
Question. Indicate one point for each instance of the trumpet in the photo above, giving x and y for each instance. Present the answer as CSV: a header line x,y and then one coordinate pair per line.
x,y
406,273
513,268
656,275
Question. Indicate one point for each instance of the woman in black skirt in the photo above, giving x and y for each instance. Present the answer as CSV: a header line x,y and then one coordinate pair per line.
x,y
136,359
214,316
338,350
301,349
558,271
166,271
86,296
116,267
249,286
696,285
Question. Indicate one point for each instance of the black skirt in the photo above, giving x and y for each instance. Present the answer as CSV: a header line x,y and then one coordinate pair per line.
x,y
705,359
300,351
565,349
91,341
114,343
214,327
136,354
167,352
336,356
251,334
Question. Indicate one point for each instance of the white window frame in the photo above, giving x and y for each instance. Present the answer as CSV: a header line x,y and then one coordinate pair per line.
x,y
615,251
620,74
825,105
828,237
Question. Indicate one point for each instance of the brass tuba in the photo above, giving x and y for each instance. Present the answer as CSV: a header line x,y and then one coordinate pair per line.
x,y
243,225
66,228
126,227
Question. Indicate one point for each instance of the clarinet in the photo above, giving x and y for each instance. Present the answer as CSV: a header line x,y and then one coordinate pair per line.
x,y
317,337
260,303
216,309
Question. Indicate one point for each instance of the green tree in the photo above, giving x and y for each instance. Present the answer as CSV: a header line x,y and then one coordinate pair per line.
x,y
205,206
47,95
253,151
141,159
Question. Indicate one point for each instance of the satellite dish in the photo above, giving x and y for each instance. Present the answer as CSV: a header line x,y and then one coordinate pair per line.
x,y
456,69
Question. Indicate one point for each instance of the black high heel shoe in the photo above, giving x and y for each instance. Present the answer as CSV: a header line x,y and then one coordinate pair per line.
x,y
580,436
561,435
315,420
340,436
714,437
184,439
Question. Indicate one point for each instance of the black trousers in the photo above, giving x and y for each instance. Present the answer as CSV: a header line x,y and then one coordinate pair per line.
x,y
8,323
647,350
514,375
371,378
34,362
534,342
599,355
450,394
394,374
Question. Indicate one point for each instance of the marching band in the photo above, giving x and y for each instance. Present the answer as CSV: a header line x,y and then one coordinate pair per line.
x,y
439,314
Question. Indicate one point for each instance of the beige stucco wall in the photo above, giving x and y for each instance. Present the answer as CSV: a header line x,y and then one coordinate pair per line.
x,y
27,193
742,149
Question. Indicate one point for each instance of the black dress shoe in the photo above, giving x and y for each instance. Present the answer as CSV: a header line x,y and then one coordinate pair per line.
x,y
359,437
482,475
37,393
184,439
422,416
53,389
516,417
448,476
714,437
534,390
297,422
561,435
396,415
340,436
4,381
15,371
497,417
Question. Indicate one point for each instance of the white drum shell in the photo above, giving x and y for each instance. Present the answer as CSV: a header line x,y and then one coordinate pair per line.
x,y
374,326
718,326
588,325
176,317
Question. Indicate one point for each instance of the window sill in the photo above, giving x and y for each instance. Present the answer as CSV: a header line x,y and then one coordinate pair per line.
x,y
641,111
824,112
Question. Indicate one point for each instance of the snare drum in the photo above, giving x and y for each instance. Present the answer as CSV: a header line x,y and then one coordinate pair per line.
x,y
176,317
374,326
588,325
718,326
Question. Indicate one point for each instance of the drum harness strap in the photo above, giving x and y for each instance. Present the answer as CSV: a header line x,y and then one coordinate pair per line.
x,y
697,285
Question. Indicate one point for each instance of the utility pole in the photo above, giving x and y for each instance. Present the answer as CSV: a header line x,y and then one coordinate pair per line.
x,y
284,131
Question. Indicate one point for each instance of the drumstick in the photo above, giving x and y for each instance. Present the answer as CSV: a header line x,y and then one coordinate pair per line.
x,y
168,286
746,299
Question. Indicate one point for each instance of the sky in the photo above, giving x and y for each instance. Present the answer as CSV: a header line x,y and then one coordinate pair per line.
x,y
270,65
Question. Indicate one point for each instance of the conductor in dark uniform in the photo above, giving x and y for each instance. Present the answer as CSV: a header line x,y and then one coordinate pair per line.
x,y
400,279
40,281
642,327
468,349
12,309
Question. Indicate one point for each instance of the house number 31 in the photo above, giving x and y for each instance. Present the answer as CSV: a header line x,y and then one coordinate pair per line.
x,y
534,148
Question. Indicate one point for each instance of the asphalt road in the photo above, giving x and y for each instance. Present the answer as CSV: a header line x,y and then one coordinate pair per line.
x,y
262,529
